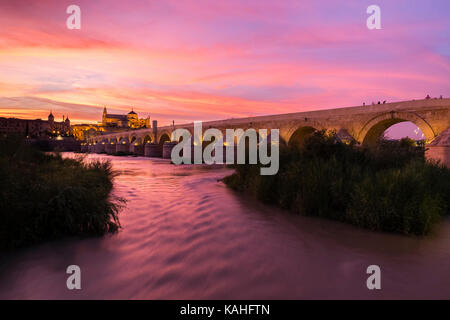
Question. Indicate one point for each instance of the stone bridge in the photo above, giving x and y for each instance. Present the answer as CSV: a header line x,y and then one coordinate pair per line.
x,y
364,124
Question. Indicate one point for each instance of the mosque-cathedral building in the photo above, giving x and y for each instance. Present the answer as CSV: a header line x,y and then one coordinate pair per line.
x,y
110,123
129,120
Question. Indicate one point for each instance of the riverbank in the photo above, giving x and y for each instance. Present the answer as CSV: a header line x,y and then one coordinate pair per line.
x,y
387,187
45,197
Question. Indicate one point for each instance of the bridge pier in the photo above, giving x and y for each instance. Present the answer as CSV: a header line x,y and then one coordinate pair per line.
x,y
110,148
167,149
137,149
153,150
439,148
123,147
100,147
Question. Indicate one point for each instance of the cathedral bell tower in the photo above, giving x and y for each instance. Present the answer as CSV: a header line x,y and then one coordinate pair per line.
x,y
105,113
51,121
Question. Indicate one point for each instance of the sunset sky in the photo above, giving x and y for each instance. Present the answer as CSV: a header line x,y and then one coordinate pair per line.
x,y
188,60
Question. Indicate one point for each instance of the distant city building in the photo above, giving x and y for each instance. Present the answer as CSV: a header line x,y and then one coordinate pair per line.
x,y
35,128
86,131
58,128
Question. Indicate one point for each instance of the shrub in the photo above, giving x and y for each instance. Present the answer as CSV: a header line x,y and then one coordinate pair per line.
x,y
386,187
45,197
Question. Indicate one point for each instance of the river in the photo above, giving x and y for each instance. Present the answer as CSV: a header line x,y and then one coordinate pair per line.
x,y
187,236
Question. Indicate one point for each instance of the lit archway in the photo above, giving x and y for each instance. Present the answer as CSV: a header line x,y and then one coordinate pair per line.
x,y
123,140
147,139
404,129
375,128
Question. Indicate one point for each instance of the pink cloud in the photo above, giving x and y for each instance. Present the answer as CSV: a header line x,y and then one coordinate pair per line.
x,y
189,59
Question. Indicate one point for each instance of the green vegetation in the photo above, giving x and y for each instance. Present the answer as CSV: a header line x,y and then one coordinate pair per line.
x,y
45,197
387,187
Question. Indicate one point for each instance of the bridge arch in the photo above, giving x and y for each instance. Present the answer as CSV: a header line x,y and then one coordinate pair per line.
x,y
164,137
147,139
123,140
297,138
376,126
